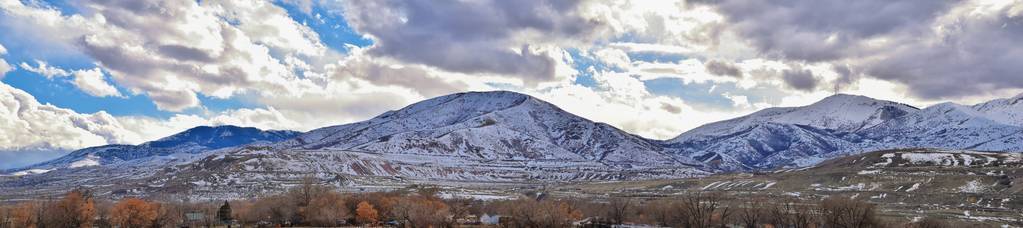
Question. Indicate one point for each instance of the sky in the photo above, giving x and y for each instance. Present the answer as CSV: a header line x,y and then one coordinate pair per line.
x,y
75,74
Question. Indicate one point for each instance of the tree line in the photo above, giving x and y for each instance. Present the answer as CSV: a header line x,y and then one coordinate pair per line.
x,y
310,204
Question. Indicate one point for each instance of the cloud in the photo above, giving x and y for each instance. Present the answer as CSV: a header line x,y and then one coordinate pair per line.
x,y
931,47
177,51
671,108
4,67
800,79
382,72
27,126
614,57
976,42
622,100
722,68
90,81
174,50
821,30
512,38
46,70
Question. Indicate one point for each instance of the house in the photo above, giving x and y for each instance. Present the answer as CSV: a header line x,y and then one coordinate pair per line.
x,y
593,222
195,219
468,219
486,219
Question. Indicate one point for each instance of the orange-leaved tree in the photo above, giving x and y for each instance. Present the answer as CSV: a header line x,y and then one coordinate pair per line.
x,y
132,213
25,215
76,209
365,213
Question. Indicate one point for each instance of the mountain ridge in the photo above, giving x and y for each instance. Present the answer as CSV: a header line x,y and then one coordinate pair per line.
x,y
505,136
191,141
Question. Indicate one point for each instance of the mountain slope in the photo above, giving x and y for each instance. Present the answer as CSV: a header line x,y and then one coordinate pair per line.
x,y
191,141
947,125
841,125
1007,111
476,136
487,125
777,136
837,113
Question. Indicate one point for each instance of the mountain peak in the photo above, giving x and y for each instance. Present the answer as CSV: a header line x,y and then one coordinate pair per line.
x,y
846,98
839,112
842,98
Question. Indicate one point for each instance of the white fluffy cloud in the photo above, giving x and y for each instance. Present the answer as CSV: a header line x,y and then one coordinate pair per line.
x,y
4,66
622,100
29,125
44,69
91,81
173,50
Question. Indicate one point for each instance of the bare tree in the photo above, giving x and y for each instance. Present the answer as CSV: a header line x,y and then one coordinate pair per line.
x,y
619,209
846,213
662,212
792,214
702,210
929,223
751,214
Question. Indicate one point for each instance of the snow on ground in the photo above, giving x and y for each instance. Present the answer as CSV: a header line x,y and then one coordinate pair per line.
x,y
475,196
973,186
914,187
30,172
868,172
932,158
87,161
887,160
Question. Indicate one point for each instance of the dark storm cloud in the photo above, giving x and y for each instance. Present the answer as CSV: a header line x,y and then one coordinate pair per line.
x,y
819,30
722,68
845,77
470,36
975,57
939,49
414,77
800,79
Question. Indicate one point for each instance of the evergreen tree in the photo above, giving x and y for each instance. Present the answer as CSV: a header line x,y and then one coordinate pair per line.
x,y
224,214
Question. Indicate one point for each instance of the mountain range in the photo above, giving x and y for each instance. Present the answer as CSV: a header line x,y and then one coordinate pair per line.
x,y
192,141
505,136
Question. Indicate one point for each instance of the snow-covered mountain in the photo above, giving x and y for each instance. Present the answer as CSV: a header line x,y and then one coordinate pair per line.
x,y
775,136
837,113
475,136
191,141
949,126
841,125
487,125
1007,111
506,137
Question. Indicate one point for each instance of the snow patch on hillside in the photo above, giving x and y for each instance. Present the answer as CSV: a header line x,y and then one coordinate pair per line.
x,y
90,160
